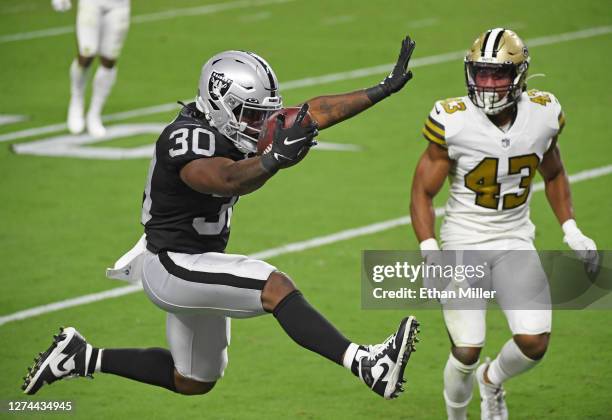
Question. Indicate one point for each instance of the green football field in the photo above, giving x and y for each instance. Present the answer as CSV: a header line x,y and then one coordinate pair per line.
x,y
63,220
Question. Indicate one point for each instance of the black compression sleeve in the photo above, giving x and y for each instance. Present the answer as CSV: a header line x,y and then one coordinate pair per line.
x,y
309,328
153,366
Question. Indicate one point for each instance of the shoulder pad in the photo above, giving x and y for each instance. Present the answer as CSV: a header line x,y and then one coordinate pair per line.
x,y
551,105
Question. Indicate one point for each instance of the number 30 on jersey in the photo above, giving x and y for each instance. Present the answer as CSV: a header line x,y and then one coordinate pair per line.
x,y
182,137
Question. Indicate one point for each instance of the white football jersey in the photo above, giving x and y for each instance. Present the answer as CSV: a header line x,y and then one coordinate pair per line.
x,y
493,169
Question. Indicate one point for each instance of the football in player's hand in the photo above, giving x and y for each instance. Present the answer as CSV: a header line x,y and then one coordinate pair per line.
x,y
267,133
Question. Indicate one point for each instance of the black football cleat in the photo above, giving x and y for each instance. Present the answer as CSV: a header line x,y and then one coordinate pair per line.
x,y
382,370
66,358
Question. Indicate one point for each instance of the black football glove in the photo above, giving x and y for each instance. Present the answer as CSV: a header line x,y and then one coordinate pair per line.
x,y
398,77
289,145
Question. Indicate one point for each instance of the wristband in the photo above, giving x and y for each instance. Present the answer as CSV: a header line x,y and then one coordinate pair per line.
x,y
569,227
429,245
376,93
268,163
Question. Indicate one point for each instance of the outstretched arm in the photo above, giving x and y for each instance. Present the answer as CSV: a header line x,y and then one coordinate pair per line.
x,y
332,109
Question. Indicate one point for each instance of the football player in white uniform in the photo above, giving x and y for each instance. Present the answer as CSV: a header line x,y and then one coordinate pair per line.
x,y
203,162
490,144
101,28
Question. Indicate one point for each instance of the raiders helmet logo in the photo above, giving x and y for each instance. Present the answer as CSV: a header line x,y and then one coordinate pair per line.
x,y
218,85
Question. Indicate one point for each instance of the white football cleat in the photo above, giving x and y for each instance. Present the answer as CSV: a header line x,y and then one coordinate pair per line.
x,y
76,119
95,128
382,370
492,398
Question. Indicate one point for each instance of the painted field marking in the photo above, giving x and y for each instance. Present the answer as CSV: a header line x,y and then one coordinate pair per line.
x,y
319,80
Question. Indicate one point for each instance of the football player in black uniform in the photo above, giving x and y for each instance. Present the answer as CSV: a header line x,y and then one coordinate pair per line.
x,y
203,161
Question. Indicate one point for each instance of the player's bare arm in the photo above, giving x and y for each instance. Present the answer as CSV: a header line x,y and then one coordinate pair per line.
x,y
225,177
332,109
556,184
431,171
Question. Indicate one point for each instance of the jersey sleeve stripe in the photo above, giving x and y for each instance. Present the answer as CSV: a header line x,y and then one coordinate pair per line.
x,y
432,138
434,131
436,124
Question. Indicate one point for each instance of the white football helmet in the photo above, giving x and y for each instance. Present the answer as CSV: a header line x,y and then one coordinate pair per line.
x,y
500,51
237,92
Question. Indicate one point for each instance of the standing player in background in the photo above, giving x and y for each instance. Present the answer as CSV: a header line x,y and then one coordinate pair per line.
x,y
203,162
101,29
490,144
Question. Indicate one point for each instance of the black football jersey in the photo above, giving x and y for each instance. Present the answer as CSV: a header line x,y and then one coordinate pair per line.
x,y
177,218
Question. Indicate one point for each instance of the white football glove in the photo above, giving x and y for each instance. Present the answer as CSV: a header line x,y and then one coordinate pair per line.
x,y
61,5
430,251
584,246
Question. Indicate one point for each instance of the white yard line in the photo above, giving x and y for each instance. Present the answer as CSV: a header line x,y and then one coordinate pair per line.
x,y
148,17
319,80
11,118
273,252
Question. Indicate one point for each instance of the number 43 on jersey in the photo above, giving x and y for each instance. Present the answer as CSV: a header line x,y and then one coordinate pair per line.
x,y
483,180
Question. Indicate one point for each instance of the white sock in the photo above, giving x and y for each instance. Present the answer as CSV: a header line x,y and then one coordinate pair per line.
x,y
509,362
349,355
458,384
103,82
352,355
78,80
99,361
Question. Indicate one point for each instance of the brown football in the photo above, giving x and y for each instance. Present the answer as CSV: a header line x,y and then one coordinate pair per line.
x,y
267,133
